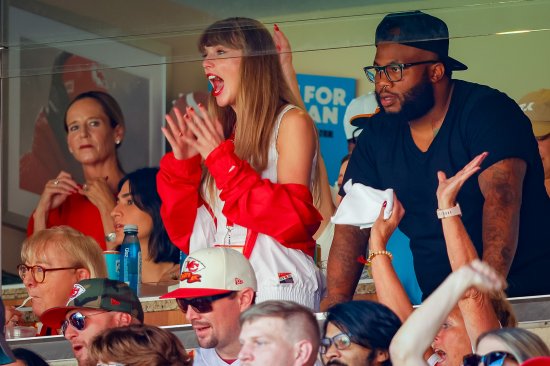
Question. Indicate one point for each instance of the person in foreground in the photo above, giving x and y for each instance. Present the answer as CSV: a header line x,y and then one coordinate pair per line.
x,y
510,344
279,333
358,333
476,312
261,155
95,305
216,286
53,261
430,122
418,331
95,129
139,345
138,203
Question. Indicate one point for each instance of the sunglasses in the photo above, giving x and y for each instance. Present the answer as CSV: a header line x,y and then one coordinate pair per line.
x,y
201,304
490,359
77,321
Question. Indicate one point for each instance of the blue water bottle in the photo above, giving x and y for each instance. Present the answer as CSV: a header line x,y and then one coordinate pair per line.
x,y
130,258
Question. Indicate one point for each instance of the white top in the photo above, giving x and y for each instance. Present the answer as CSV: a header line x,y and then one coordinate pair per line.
x,y
209,357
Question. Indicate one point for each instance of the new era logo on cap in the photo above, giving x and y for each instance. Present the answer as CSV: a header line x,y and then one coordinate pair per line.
x,y
213,271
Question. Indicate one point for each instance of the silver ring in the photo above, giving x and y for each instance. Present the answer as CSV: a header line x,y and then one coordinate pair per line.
x,y
85,187
56,182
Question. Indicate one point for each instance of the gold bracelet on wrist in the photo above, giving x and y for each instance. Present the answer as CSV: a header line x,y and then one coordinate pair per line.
x,y
373,254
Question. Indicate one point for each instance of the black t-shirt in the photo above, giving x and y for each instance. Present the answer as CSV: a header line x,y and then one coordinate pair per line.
x,y
479,119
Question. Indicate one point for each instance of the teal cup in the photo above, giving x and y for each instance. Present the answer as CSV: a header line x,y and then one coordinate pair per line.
x,y
112,260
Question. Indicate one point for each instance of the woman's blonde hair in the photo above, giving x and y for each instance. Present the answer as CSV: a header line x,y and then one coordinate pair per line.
x,y
82,251
521,343
139,345
262,94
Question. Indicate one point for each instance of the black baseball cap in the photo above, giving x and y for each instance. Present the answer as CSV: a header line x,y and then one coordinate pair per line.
x,y
419,30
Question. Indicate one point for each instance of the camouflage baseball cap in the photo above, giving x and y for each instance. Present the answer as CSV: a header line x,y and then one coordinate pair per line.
x,y
96,293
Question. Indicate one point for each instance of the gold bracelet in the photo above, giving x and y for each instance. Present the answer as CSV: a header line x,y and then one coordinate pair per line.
x,y
378,252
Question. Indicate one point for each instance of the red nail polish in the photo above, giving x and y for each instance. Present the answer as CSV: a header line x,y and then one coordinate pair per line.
x,y
199,104
385,203
276,27
278,48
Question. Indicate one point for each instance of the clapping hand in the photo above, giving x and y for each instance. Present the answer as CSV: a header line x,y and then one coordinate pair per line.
x,y
175,132
205,134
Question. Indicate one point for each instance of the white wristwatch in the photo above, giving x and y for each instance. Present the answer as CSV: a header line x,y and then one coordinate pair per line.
x,y
448,212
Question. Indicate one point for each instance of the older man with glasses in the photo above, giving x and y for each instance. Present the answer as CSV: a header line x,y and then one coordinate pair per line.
x,y
94,306
430,123
216,286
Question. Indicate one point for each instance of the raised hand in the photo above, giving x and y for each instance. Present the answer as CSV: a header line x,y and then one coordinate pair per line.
x,y
56,192
98,192
175,132
448,188
283,46
207,134
480,275
382,230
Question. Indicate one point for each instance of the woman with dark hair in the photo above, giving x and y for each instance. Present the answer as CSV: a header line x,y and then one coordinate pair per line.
x,y
138,203
95,128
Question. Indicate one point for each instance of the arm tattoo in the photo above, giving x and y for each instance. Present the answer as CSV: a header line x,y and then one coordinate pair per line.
x,y
343,269
501,185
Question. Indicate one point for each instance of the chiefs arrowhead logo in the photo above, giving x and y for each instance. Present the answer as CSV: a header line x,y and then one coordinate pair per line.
x,y
192,265
114,301
190,277
75,292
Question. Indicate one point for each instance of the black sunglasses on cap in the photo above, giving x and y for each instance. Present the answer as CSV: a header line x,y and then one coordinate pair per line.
x,y
201,304
496,358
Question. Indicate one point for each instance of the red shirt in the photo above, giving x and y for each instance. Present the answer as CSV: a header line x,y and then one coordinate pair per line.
x,y
80,214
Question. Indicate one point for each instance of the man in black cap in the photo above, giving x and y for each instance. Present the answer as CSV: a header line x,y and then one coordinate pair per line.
x,y
430,122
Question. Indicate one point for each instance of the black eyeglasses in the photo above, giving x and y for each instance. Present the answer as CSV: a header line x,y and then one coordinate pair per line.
x,y
341,341
490,359
38,272
394,72
201,304
77,320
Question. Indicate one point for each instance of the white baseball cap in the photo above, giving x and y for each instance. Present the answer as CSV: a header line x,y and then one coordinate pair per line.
x,y
362,106
214,271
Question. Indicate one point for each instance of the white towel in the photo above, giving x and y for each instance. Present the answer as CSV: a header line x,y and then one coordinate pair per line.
x,y
361,205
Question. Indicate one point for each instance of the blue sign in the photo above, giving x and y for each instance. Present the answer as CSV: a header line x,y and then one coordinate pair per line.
x,y
326,99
